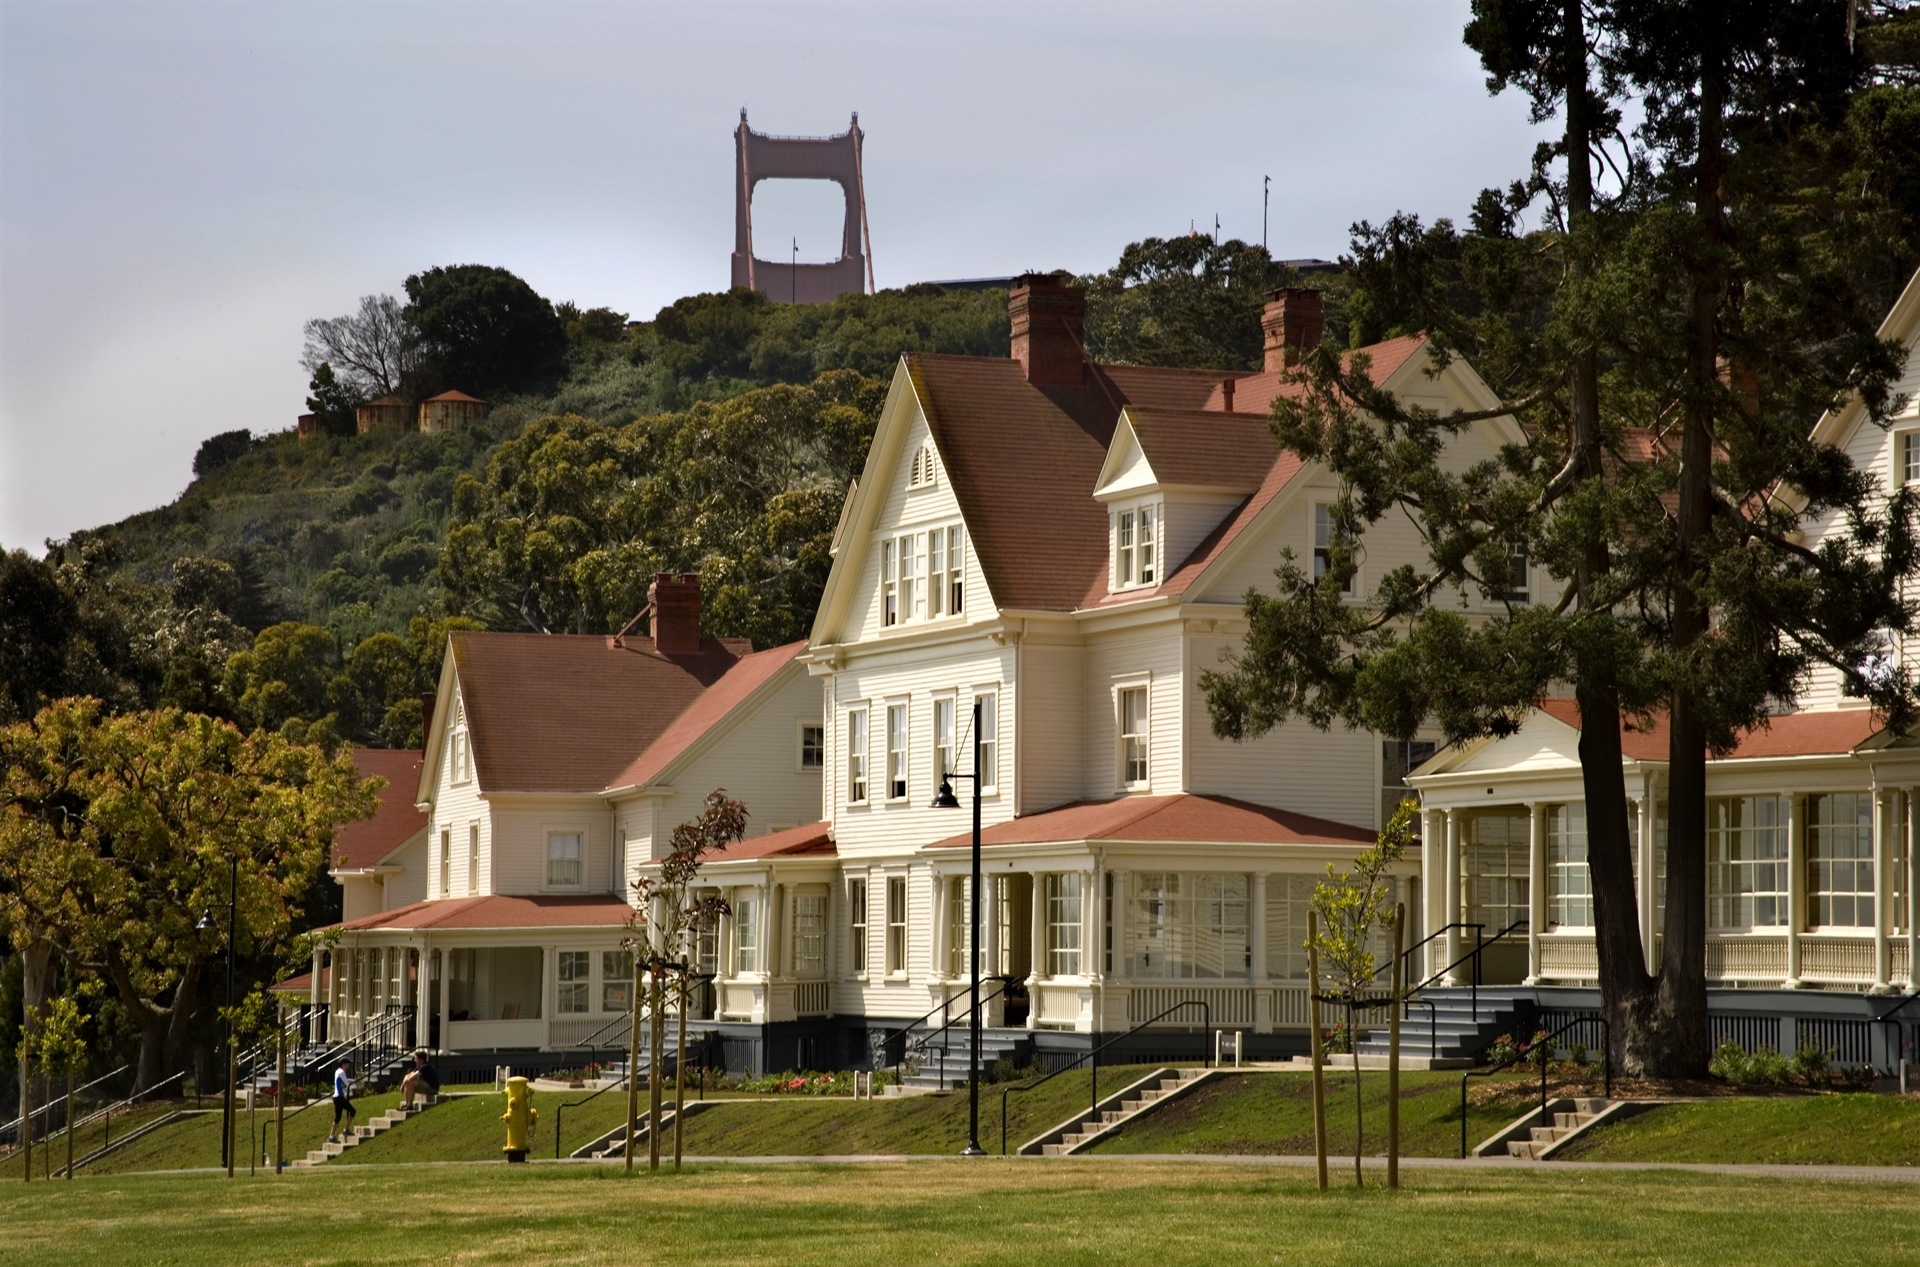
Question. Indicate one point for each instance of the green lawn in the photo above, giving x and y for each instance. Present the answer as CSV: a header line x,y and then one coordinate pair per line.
x,y
954,1211
1272,1114
1866,1130
470,1129
195,1140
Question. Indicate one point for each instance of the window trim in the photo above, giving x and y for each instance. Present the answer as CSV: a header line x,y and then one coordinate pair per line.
x,y
859,762
446,861
1122,686
1906,456
988,697
950,700
904,752
802,725
459,754
859,912
1316,550
549,834
894,965
473,858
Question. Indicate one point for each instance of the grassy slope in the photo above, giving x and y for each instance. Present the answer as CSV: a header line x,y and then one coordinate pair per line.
x,y
1867,1130
1123,1210
470,1129
195,1141
1272,1114
52,1153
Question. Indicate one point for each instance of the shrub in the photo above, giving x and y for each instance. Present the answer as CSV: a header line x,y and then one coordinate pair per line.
x,y
217,451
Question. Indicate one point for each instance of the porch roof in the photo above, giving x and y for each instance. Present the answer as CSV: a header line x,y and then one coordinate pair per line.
x,y
303,982
807,840
544,911
1181,817
1828,733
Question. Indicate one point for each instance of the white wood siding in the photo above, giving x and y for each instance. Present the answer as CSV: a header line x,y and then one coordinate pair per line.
x,y
1334,775
1148,658
1052,725
456,807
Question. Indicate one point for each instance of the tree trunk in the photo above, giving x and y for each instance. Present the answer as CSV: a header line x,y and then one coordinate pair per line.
x,y
36,987
1681,1017
1626,991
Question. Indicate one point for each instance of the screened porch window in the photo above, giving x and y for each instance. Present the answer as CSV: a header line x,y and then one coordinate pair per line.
x,y
1189,926
570,995
1065,893
1840,859
1496,867
1746,862
1570,890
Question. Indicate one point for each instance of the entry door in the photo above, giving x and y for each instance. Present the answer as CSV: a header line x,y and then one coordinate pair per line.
x,y
1013,934
1496,884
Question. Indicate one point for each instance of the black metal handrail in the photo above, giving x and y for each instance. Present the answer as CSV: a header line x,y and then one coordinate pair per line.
x,y
1406,956
924,1043
1473,956
1206,1061
12,1129
1890,1017
1543,1043
902,1032
625,1018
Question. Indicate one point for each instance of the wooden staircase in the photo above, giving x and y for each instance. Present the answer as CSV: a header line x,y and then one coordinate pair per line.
x,y
614,1142
1113,1113
361,1134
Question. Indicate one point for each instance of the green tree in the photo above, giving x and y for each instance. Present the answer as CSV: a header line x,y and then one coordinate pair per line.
x,y
118,833
332,402
283,678
1698,300
1187,301
481,330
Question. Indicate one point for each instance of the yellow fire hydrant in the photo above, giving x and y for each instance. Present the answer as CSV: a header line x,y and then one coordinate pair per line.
x,y
519,1117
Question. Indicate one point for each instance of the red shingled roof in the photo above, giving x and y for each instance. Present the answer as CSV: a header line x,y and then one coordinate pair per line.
x,y
1208,448
499,912
568,713
1182,817
806,841
713,705
394,821
1789,735
455,396
1024,461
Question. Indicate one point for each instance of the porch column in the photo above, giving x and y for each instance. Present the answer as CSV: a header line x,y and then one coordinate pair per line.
x,y
549,991
313,989
942,934
1455,857
1536,886
1038,941
1118,931
423,996
1433,877
444,976
1882,826
1909,825
991,963
1092,917
1257,928
1644,874
766,929
1796,883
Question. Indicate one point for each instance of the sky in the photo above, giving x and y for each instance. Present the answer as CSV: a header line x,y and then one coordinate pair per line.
x,y
184,184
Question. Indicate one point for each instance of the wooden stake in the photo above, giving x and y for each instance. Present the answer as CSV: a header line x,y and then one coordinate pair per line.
x,y
656,1056
680,1074
1393,1049
1313,1024
633,1061
280,1092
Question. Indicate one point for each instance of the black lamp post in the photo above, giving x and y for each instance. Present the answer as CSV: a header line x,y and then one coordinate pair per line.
x,y
206,924
945,799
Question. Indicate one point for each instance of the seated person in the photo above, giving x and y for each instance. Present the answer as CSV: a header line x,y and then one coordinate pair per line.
x,y
423,1080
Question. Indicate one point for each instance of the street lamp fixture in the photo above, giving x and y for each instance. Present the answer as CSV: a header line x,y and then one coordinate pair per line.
x,y
206,925
945,799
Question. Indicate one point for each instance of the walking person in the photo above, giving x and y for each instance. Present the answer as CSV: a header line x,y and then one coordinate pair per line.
x,y
342,1105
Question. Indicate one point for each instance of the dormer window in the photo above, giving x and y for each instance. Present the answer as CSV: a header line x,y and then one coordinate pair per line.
x,y
1136,547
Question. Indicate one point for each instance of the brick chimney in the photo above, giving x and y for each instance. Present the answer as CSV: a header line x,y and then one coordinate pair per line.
x,y
1290,325
675,622
1048,324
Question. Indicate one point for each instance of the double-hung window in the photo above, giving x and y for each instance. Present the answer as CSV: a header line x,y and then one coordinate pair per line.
x,y
1519,574
566,867
616,980
943,753
1133,736
1840,860
936,572
957,924
571,995
896,925
446,862
1908,456
746,932
857,756
1569,891
473,858
810,935
1125,551
857,927
989,723
889,583
813,746
956,571
1149,571
912,598
1746,862
896,752
1065,891
1326,536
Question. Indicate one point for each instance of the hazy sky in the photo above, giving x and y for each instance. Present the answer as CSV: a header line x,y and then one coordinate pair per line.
x,y
182,185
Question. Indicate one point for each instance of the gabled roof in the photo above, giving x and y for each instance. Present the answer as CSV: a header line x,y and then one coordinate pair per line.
x,y
499,912
460,397
810,840
1902,325
1184,817
706,712
567,712
1199,448
395,820
1255,393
